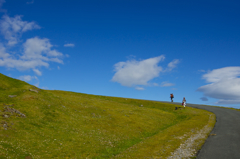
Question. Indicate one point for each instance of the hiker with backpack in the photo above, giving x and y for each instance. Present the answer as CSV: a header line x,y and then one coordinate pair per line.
x,y
184,102
171,96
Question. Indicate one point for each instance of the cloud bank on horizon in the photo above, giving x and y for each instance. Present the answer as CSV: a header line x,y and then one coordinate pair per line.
x,y
224,85
135,73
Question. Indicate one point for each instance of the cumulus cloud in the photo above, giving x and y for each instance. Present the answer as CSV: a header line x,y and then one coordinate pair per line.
x,y
166,84
204,99
27,78
224,84
37,53
33,53
69,45
36,48
132,73
12,28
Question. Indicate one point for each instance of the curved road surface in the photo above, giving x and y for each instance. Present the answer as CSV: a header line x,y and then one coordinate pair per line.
x,y
226,143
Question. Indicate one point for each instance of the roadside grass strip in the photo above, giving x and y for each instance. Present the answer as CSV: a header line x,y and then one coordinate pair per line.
x,y
36,123
163,144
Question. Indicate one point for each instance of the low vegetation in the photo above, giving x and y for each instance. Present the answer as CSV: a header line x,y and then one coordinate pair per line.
x,y
36,123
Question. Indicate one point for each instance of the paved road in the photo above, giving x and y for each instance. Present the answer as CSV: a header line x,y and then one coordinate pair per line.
x,y
226,143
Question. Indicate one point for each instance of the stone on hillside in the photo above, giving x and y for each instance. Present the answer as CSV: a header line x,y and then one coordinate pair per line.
x,y
5,125
141,105
5,115
11,96
33,90
12,110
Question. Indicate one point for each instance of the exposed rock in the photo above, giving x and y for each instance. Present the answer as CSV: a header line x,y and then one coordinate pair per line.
x,y
141,105
5,125
33,90
12,110
5,115
11,96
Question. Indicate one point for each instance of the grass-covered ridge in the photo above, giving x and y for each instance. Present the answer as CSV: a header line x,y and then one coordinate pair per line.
x,y
61,124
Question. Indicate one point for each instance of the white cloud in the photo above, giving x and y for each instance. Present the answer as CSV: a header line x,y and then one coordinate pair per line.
x,y
37,52
36,48
139,88
12,28
22,64
40,49
3,53
69,45
39,73
224,85
166,84
131,73
172,65
27,78
58,68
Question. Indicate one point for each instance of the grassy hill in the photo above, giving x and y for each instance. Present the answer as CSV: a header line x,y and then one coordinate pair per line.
x,y
38,123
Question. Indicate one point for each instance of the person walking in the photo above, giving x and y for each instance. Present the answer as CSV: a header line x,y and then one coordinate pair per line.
x,y
184,102
171,96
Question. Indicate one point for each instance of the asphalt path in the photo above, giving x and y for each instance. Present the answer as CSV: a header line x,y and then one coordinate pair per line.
x,y
224,143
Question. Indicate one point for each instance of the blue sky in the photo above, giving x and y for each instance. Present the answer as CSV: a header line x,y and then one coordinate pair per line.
x,y
134,49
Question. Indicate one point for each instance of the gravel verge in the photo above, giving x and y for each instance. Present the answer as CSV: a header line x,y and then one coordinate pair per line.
x,y
190,147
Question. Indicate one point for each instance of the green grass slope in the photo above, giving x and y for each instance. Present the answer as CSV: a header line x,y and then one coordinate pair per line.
x,y
60,124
